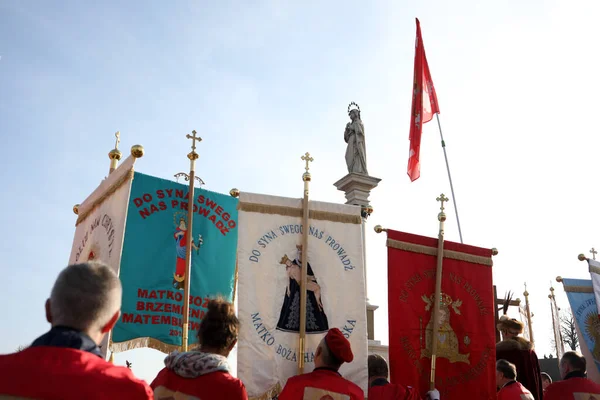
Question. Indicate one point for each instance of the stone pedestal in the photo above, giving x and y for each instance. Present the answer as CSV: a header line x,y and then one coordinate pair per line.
x,y
357,188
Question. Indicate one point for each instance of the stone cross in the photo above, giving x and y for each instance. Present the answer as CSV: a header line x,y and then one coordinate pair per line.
x,y
594,252
194,138
308,159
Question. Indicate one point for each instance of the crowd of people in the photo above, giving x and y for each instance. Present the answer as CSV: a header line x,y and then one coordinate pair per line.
x,y
84,305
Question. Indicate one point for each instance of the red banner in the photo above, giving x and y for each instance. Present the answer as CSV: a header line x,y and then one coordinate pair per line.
x,y
424,105
466,338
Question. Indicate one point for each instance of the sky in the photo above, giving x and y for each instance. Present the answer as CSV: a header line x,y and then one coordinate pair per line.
x,y
265,81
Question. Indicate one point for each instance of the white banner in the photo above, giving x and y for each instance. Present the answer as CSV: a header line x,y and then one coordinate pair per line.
x,y
595,274
269,268
101,222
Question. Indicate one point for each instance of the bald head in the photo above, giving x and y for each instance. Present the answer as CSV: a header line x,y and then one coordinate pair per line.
x,y
85,297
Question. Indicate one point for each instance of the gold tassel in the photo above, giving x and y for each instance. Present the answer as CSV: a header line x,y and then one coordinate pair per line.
x,y
112,358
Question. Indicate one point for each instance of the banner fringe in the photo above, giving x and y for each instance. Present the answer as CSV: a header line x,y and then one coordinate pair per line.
x,y
269,394
109,192
145,342
578,289
594,269
431,251
297,212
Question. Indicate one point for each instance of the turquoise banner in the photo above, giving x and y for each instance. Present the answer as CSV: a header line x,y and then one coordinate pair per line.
x,y
583,306
153,261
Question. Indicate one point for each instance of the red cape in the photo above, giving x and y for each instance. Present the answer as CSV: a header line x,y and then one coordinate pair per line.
x,y
320,383
214,385
58,373
520,352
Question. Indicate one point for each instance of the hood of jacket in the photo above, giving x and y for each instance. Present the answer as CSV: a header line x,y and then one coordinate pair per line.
x,y
193,364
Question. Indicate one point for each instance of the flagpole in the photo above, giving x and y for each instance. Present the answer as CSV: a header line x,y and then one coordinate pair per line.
x,y
438,291
304,261
437,116
193,156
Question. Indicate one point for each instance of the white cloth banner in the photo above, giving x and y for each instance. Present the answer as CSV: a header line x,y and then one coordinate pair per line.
x,y
269,268
99,236
595,274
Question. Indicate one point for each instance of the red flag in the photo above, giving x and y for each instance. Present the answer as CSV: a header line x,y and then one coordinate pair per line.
x,y
466,354
424,105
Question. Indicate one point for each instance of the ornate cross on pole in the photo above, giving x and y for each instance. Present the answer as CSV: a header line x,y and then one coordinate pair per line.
x,y
308,159
442,199
194,138
115,154
594,252
193,156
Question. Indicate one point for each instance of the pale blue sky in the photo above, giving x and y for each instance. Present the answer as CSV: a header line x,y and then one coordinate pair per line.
x,y
265,81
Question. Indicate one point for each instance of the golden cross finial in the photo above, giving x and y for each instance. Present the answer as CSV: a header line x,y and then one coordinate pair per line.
x,y
118,140
594,252
442,199
194,138
308,159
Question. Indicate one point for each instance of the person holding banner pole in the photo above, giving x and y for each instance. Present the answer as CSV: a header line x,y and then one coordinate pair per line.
x,y
438,290
302,334
193,156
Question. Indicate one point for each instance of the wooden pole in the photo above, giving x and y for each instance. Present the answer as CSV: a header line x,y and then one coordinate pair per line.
x,y
193,156
304,261
528,311
438,291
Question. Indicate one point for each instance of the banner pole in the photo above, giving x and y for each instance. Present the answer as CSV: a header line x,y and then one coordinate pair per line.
x,y
526,294
304,261
437,116
438,291
193,156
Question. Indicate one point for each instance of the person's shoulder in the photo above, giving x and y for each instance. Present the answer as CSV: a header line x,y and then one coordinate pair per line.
x,y
118,377
355,390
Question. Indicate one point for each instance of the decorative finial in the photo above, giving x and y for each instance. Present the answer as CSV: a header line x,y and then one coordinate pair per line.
x,y
442,214
307,158
115,154
494,251
525,293
559,279
194,138
594,252
76,209
234,192
379,229
581,257
137,151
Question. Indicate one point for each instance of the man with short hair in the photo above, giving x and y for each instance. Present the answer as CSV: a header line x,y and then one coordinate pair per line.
x,y
381,389
325,380
510,389
575,384
546,380
66,362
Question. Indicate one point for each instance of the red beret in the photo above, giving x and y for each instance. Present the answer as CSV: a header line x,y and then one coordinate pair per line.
x,y
339,345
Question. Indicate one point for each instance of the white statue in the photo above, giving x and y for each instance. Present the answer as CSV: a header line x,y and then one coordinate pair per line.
x,y
354,135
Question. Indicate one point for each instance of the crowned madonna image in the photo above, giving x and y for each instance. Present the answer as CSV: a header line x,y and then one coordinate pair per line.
x,y
289,318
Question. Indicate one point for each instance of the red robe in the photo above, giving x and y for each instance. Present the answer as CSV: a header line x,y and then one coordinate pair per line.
x,y
392,391
319,384
215,385
514,391
566,390
519,351
58,373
